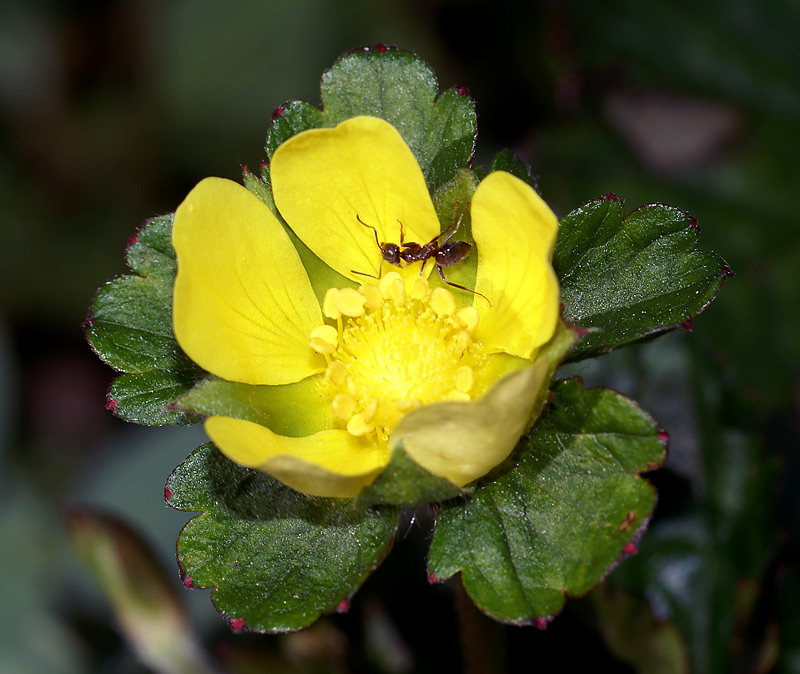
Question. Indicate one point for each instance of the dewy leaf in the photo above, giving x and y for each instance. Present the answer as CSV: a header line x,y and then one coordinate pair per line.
x,y
634,278
506,160
558,521
405,482
277,559
130,328
401,88
148,398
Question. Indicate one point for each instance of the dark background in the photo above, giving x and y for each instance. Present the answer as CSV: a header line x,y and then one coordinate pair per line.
x,y
112,111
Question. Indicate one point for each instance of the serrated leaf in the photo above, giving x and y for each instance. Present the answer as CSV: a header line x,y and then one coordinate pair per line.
x,y
401,88
277,559
634,278
405,482
149,398
290,119
558,521
507,161
130,328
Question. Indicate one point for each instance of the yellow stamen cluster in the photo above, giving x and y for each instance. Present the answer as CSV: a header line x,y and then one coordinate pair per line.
x,y
393,349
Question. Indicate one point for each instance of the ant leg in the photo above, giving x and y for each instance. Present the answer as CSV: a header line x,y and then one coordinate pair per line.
x,y
454,225
455,229
375,231
363,273
460,287
402,232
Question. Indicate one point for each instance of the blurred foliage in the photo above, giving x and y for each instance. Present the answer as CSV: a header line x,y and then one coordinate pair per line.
x,y
112,110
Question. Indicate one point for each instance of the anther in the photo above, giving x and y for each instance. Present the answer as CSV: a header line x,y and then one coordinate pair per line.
x,y
408,404
469,316
461,340
443,302
324,339
336,372
350,302
421,289
465,378
458,396
343,406
358,427
329,304
393,288
372,294
371,411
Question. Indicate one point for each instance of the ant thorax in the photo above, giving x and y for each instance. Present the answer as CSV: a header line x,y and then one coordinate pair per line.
x,y
440,249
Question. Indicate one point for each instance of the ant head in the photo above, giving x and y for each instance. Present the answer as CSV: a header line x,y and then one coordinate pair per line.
x,y
390,252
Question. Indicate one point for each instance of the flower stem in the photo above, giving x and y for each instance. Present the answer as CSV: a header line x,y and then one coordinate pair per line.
x,y
483,646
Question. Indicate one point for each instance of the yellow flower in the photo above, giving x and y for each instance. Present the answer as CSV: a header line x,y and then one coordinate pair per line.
x,y
357,369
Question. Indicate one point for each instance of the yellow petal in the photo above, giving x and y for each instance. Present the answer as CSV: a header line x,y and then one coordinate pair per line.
x,y
515,232
462,441
243,305
329,463
325,179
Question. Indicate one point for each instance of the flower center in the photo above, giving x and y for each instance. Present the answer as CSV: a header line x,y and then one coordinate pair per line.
x,y
392,351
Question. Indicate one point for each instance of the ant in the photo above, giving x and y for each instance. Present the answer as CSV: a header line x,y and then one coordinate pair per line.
x,y
444,254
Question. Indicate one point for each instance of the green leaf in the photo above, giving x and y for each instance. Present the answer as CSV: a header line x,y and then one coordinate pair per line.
x,y
634,278
401,88
507,161
556,523
149,398
290,119
405,482
130,328
277,559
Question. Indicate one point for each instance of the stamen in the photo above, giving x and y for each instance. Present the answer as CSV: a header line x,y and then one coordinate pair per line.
x,y
408,404
371,411
443,302
350,302
393,288
358,427
329,304
421,289
336,372
461,341
343,406
394,349
324,339
458,396
469,316
465,378
373,295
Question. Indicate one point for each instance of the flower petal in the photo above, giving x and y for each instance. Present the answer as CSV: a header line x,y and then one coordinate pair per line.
x,y
462,441
329,463
290,409
323,180
243,306
515,232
